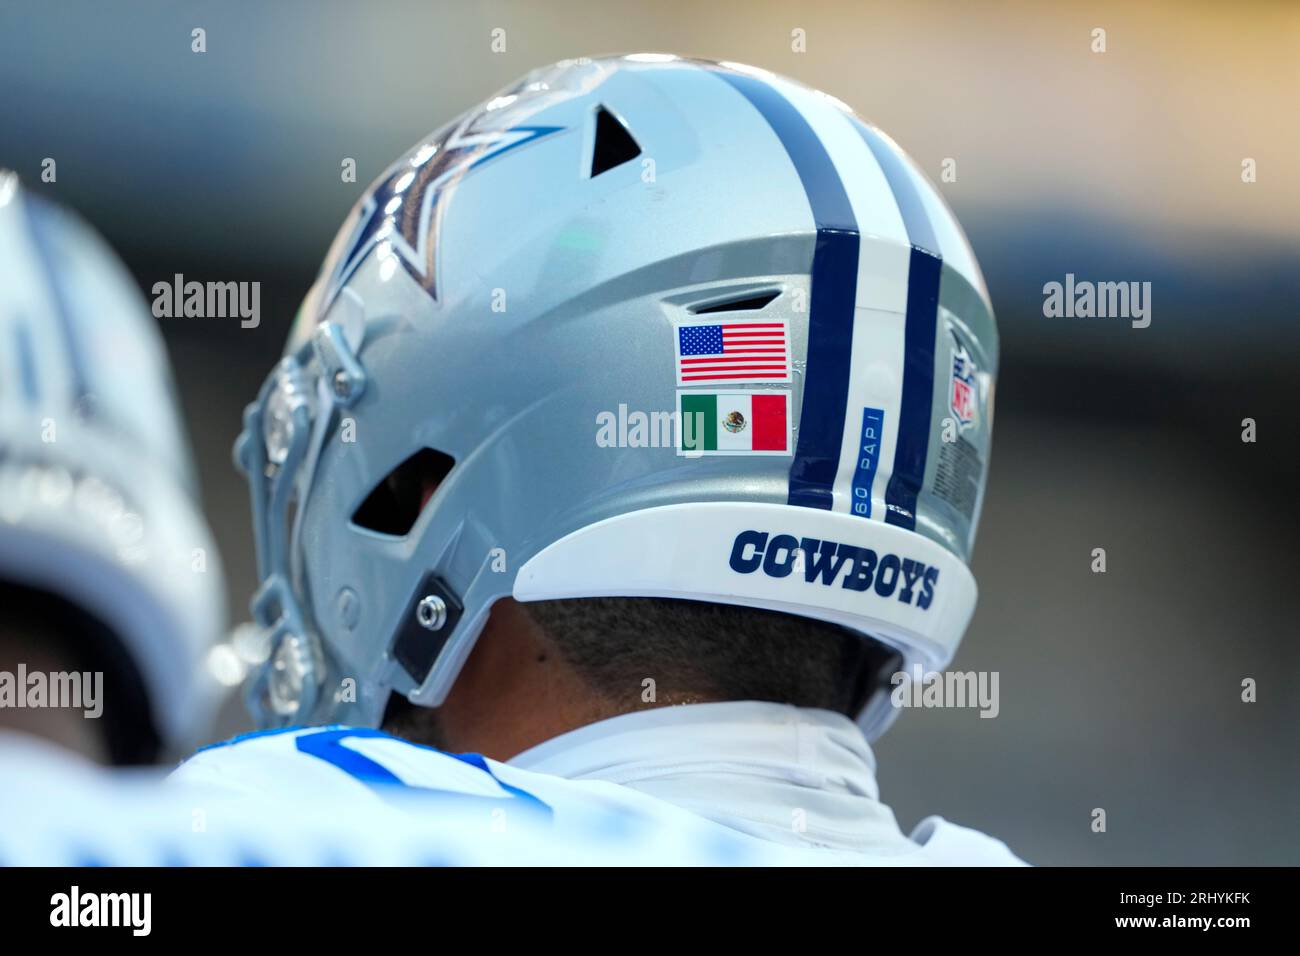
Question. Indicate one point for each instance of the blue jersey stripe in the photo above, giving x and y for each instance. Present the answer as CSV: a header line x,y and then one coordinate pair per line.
x,y
924,269
834,286
328,744
251,735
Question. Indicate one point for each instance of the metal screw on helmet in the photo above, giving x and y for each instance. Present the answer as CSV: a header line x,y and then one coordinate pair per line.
x,y
431,612
342,384
349,608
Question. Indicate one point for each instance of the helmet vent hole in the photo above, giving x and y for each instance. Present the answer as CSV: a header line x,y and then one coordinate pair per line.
x,y
396,502
750,303
614,145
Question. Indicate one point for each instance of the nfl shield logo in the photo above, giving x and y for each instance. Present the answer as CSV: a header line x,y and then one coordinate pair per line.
x,y
963,386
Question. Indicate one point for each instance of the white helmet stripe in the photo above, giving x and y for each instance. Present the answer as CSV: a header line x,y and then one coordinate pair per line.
x,y
920,330
875,387
834,290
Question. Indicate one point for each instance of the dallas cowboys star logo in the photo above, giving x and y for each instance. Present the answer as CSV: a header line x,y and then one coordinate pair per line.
x,y
404,209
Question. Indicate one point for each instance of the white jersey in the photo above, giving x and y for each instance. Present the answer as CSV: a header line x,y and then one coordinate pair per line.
x,y
739,783
59,810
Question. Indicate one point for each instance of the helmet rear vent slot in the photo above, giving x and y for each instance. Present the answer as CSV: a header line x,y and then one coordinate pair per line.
x,y
751,302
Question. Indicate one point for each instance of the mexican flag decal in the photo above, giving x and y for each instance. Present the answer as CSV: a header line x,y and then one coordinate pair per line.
x,y
733,423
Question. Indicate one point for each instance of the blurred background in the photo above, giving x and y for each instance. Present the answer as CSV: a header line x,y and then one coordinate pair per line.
x,y
1120,690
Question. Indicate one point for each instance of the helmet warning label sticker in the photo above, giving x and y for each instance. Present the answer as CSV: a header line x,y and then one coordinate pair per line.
x,y
733,423
957,476
959,466
732,352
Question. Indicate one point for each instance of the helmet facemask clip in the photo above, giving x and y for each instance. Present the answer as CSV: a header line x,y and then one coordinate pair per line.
x,y
284,431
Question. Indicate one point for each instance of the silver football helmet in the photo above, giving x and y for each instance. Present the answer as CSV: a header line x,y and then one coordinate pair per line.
x,y
661,328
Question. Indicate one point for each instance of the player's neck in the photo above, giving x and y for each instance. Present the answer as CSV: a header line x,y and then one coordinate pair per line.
x,y
513,693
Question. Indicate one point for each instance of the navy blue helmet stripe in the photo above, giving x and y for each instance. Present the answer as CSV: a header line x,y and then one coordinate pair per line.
x,y
924,269
834,286
826,377
913,443
910,205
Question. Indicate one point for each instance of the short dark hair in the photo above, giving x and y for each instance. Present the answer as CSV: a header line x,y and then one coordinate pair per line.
x,y
718,652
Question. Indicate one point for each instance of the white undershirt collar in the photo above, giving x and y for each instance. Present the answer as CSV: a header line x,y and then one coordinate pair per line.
x,y
795,775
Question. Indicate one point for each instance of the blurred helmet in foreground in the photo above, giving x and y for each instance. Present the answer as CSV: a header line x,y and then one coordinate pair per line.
x,y
98,507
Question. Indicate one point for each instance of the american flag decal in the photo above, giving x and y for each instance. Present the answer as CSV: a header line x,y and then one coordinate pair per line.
x,y
733,352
